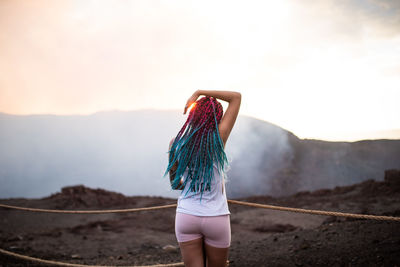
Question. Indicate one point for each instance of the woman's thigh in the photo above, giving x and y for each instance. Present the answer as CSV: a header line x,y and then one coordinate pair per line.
x,y
192,252
216,257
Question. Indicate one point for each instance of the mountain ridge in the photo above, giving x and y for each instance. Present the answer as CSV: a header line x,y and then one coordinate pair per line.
x,y
126,150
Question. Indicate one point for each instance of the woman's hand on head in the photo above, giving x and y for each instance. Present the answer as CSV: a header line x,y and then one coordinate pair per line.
x,y
190,101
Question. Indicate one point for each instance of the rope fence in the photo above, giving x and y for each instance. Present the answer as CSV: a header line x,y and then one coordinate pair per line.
x,y
244,203
316,212
89,211
59,263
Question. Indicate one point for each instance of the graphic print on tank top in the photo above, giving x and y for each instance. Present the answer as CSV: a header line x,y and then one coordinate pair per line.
x,y
209,189
213,202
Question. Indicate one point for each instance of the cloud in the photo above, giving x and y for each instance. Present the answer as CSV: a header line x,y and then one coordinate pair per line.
x,y
355,19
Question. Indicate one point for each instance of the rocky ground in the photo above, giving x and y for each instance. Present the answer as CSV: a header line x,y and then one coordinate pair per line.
x,y
260,237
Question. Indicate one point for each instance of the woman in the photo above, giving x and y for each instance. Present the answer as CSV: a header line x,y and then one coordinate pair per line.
x,y
197,163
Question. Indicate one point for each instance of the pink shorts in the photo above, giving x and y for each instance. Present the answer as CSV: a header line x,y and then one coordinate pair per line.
x,y
216,230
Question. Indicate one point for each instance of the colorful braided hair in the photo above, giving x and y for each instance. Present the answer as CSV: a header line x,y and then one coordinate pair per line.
x,y
198,146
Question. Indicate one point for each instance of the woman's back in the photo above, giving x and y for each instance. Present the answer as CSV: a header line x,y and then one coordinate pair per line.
x,y
212,202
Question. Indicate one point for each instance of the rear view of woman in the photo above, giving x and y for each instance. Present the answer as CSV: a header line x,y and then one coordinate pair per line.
x,y
197,164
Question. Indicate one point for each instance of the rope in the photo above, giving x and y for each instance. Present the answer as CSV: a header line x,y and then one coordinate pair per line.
x,y
58,263
317,212
264,206
89,211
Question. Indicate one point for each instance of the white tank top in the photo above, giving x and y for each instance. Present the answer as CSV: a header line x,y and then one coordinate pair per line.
x,y
213,201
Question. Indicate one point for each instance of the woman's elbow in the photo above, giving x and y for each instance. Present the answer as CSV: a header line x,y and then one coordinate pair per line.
x,y
238,96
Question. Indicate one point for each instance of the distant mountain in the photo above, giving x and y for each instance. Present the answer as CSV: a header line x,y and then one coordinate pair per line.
x,y
126,151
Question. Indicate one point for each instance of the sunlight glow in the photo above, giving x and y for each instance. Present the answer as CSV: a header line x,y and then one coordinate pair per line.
x,y
192,106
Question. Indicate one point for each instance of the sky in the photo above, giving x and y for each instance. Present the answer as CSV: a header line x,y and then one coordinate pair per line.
x,y
321,69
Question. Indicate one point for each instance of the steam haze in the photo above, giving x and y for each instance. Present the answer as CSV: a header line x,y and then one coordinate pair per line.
x,y
127,152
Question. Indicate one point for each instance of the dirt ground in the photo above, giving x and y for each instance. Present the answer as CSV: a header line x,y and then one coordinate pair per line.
x,y
260,237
